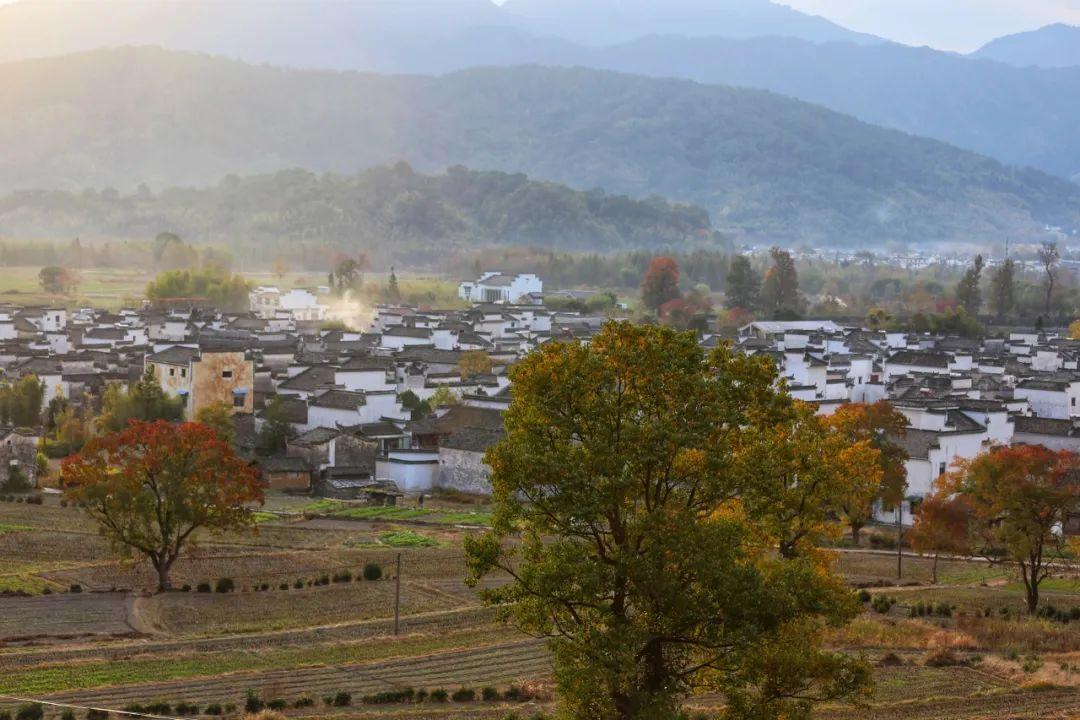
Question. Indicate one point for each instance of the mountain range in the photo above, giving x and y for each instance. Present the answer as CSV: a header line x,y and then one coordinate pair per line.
x,y
766,167
1053,46
1023,116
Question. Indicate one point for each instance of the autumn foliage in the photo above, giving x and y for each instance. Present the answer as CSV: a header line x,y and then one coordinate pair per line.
x,y
661,283
1020,498
151,486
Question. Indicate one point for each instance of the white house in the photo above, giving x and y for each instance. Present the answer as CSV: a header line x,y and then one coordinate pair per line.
x,y
268,301
497,287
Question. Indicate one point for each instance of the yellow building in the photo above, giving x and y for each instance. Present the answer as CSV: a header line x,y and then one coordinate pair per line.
x,y
204,377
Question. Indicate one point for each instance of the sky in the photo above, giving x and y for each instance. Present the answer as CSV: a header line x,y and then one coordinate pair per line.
x,y
958,25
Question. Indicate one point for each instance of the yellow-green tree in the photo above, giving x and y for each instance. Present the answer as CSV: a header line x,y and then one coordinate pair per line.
x,y
473,363
641,544
218,416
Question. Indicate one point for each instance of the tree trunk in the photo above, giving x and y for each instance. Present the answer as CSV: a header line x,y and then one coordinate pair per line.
x,y
935,568
162,567
856,533
1032,587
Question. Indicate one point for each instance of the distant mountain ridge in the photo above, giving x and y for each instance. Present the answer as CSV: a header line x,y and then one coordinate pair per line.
x,y
1053,46
768,169
1020,116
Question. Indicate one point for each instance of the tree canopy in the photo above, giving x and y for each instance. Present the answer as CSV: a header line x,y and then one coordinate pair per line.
x,y
648,538
151,486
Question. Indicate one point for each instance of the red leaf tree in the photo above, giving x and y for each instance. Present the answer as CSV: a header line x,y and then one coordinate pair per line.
x,y
661,283
1020,499
153,485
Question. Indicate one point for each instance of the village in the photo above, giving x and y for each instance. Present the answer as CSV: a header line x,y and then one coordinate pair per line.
x,y
350,601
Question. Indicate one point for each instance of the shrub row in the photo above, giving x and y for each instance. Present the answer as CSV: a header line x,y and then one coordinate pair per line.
x,y
882,603
28,499
942,609
371,572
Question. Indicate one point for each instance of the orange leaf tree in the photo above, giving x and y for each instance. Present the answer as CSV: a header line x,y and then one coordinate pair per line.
x,y
877,424
153,485
1020,498
661,283
941,526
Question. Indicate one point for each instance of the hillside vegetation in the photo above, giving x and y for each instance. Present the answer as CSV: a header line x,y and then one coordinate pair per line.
x,y
389,212
764,166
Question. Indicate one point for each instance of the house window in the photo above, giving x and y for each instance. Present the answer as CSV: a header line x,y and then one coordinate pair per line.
x,y
226,373
183,372
172,372
941,469
238,400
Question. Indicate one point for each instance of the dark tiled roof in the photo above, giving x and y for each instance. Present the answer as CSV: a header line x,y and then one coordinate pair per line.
x,y
919,359
314,378
1043,426
176,355
339,400
473,439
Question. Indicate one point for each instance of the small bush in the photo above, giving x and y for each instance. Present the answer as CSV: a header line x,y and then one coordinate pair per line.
x,y
512,694
253,703
277,704
283,586
439,695
372,572
944,609
489,694
890,660
184,708
464,695
264,587
68,714
882,603
30,711
159,708
342,699
299,584
136,708
225,585
328,700
421,695
945,657
303,702
76,588
93,714
212,709
203,587
185,588
343,577
864,596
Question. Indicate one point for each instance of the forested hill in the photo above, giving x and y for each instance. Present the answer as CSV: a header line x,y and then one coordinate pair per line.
x,y
766,167
388,212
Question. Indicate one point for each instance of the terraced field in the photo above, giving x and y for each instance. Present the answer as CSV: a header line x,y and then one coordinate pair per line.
x,y
306,635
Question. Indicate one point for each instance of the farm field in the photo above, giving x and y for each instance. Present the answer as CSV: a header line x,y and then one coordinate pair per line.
x,y
112,288
302,627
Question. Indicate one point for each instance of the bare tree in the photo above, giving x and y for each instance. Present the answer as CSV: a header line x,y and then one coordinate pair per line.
x,y
1049,255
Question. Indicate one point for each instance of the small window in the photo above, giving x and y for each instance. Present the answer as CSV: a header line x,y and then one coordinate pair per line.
x,y
172,372
183,372
238,401
941,469
226,373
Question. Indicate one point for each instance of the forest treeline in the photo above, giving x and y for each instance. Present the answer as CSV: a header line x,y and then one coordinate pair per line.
x,y
391,213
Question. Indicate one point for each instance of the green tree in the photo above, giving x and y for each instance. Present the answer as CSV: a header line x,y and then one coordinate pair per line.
x,y
276,430
639,557
21,402
1003,290
219,416
743,284
780,290
58,280
393,292
968,293
146,401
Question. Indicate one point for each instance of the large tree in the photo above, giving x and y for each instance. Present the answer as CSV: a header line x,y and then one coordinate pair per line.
x,y
882,426
743,284
152,486
1003,290
661,283
941,527
1020,498
58,280
20,402
780,290
644,554
968,293
1049,256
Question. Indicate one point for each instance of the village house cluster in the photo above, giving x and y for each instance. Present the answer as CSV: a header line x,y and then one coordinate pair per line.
x,y
343,392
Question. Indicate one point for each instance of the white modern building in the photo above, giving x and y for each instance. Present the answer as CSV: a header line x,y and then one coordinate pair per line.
x,y
269,302
497,287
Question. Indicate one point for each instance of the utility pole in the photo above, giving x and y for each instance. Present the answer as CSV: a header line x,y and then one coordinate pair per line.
x,y
397,596
899,540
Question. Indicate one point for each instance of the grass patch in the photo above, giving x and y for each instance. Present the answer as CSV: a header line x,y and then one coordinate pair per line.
x,y
382,513
261,516
463,518
406,539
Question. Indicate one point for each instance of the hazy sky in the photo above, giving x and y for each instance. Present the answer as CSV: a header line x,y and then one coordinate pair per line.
x,y
961,25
